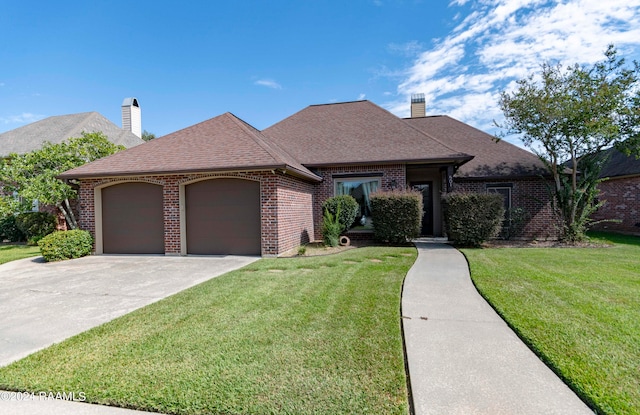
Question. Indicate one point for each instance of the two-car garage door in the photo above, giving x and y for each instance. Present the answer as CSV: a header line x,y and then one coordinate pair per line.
x,y
222,217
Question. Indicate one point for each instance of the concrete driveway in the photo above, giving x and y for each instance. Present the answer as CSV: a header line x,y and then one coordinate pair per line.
x,y
45,303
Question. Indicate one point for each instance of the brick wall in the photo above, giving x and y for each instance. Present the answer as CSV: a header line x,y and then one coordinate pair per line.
x,y
531,195
391,175
295,213
622,203
279,194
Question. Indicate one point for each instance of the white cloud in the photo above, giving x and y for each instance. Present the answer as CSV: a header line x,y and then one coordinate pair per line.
x,y
361,97
269,83
24,118
499,41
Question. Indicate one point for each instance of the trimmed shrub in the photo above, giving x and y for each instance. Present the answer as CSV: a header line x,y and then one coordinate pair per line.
x,y
397,215
36,224
331,228
472,218
62,245
9,230
344,207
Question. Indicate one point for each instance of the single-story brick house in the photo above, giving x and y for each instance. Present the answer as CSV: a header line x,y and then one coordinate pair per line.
x,y
223,187
620,192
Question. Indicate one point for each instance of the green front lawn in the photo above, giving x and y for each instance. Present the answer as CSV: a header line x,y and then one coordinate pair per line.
x,y
302,335
578,308
12,252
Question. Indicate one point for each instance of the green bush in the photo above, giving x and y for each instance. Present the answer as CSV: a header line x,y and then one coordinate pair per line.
x,y
344,207
66,245
331,228
397,215
9,230
472,218
36,224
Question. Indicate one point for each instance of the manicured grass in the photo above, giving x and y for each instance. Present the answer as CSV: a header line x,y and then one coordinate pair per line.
x,y
314,335
12,252
577,308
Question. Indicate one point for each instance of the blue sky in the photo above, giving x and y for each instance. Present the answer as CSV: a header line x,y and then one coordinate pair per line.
x,y
264,60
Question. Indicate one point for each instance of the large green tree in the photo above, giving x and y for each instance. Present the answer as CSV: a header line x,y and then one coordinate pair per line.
x,y
32,176
567,116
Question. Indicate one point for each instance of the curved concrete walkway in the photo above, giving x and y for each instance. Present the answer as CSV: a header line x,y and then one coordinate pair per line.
x,y
462,357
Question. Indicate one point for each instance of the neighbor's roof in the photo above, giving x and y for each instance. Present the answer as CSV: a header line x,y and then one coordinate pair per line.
x,y
62,127
356,133
223,143
620,165
491,159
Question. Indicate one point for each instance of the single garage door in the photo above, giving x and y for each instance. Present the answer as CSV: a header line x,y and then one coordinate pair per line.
x,y
223,217
132,219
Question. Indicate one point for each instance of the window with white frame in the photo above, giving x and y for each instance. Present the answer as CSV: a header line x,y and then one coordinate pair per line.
x,y
360,188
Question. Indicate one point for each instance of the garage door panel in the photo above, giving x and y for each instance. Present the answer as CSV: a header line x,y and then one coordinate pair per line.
x,y
132,219
223,217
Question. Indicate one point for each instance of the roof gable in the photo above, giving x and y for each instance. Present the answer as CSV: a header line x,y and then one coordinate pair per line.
x,y
59,128
491,159
223,143
356,132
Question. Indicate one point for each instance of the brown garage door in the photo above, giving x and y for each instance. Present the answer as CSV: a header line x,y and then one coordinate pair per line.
x,y
223,217
132,219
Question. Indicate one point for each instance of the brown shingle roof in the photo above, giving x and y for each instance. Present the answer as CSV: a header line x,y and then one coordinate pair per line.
x,y
356,132
491,159
223,143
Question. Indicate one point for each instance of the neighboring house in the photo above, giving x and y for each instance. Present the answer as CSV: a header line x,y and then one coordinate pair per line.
x,y
620,191
59,128
223,187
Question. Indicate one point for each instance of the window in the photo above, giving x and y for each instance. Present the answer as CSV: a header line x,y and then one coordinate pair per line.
x,y
360,188
505,191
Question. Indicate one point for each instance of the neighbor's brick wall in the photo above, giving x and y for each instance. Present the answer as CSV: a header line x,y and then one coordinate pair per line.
x,y
530,194
295,194
325,189
622,203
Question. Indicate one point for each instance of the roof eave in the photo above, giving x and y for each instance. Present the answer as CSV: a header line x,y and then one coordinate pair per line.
x,y
459,160
281,167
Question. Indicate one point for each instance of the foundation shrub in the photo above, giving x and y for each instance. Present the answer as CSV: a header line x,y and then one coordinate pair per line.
x,y
61,245
344,208
472,218
397,215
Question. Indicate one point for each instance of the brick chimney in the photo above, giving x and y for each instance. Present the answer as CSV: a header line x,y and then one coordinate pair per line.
x,y
417,106
131,118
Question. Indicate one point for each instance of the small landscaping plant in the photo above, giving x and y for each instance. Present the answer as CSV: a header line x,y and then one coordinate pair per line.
x,y
344,208
35,225
397,215
62,245
472,218
331,228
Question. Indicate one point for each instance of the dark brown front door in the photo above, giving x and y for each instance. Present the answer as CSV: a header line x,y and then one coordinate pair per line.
x,y
223,217
132,219
426,188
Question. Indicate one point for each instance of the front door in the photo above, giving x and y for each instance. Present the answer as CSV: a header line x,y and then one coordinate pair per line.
x,y
426,188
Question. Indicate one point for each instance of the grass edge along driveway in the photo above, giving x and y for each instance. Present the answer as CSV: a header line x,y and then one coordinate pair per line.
x,y
577,308
301,335
12,252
